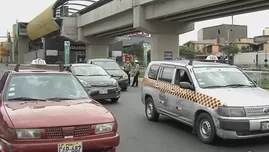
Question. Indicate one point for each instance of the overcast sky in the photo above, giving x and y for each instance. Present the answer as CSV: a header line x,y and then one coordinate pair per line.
x,y
25,10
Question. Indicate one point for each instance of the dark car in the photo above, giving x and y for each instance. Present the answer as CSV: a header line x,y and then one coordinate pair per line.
x,y
114,70
94,77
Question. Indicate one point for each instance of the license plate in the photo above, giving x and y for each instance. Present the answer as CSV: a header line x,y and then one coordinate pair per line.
x,y
70,147
265,125
103,91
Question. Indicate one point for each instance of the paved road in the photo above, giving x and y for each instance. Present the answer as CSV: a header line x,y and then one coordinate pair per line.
x,y
140,135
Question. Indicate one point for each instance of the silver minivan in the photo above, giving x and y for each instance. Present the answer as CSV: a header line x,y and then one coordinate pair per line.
x,y
214,99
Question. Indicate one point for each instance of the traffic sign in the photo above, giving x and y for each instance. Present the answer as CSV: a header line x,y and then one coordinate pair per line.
x,y
66,52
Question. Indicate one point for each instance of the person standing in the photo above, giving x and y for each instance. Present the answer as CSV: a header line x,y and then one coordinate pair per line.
x,y
127,68
136,74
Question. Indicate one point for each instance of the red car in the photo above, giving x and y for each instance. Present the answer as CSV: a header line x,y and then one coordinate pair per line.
x,y
50,111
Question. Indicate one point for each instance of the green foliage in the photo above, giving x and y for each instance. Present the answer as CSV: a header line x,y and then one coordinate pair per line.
x,y
149,59
135,50
244,49
187,52
230,49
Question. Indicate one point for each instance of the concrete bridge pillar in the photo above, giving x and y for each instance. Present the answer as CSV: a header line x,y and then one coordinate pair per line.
x,y
97,51
23,48
164,35
164,46
95,47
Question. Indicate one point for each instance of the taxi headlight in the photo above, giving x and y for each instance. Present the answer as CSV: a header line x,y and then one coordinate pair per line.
x,y
104,128
231,111
125,76
28,133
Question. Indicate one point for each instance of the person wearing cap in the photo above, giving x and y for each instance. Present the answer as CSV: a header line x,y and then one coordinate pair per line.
x,y
127,68
136,74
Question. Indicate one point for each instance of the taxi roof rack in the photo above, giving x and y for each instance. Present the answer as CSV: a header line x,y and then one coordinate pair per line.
x,y
202,60
191,62
17,68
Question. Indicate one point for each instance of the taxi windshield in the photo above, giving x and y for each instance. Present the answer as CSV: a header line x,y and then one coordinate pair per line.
x,y
90,70
217,77
44,87
110,65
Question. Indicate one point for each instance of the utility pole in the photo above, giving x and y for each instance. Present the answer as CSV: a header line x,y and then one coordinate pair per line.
x,y
232,40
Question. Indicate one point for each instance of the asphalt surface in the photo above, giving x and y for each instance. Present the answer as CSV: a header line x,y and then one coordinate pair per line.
x,y
140,135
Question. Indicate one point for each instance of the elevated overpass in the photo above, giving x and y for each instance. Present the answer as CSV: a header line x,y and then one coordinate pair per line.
x,y
163,19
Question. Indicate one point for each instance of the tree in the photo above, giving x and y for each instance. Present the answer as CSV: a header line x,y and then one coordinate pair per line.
x,y
149,54
230,50
136,50
244,49
187,52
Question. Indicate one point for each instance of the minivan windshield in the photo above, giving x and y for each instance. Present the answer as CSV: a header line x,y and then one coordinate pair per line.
x,y
108,65
216,77
89,70
26,87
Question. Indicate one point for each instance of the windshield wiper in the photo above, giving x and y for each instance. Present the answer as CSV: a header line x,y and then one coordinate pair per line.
x,y
239,85
97,75
59,98
214,86
226,86
26,99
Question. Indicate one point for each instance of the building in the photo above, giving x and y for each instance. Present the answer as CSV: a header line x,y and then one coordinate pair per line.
x,y
224,33
203,46
266,31
247,45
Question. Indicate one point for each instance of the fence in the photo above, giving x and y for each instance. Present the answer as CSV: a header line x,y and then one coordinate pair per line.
x,y
260,77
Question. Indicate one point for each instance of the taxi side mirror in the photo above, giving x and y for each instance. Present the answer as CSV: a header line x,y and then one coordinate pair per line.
x,y
186,85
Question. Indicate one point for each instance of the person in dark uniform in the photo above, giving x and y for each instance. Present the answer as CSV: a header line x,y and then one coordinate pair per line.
x,y
136,74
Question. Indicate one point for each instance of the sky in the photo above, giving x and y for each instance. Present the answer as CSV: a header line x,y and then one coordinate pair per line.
x,y
26,10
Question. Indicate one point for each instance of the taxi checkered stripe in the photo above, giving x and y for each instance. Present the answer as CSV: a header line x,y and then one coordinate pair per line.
x,y
196,97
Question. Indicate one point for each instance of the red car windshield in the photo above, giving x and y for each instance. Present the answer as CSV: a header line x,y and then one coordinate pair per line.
x,y
44,87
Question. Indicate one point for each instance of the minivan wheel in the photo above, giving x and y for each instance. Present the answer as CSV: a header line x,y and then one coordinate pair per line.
x,y
150,110
205,128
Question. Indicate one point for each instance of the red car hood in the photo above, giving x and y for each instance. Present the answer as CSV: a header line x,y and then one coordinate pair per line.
x,y
51,114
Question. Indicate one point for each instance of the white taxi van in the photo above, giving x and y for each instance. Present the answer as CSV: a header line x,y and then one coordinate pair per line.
x,y
214,99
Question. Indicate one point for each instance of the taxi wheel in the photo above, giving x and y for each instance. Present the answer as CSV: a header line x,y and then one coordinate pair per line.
x,y
124,89
150,110
205,128
114,100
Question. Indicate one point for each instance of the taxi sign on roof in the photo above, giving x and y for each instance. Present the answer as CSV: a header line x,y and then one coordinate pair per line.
x,y
211,57
38,61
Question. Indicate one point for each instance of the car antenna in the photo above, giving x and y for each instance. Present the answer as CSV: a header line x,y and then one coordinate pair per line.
x,y
191,62
17,67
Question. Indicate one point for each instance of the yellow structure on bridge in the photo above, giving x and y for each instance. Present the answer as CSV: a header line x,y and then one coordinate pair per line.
x,y
42,24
